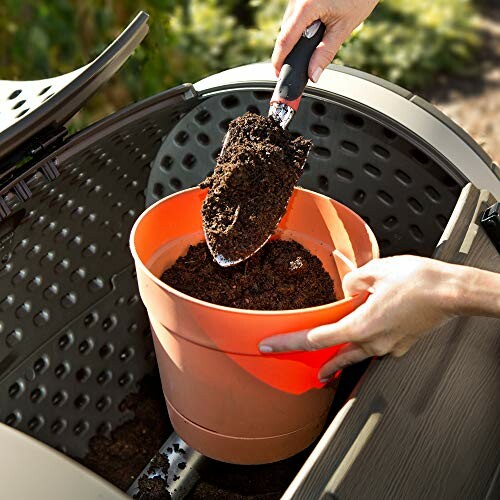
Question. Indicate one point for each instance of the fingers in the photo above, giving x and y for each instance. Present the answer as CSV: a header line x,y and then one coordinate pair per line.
x,y
293,27
335,36
357,281
348,355
350,328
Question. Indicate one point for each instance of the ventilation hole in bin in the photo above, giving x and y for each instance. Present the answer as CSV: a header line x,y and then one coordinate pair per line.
x,y
61,370
253,109
104,377
14,337
417,233
58,426
16,389
90,320
403,177
318,108
181,138
65,341
110,322
381,152
432,194
59,398
389,134
103,404
321,130
224,124
13,419
40,365
86,346
83,374
203,139
359,197
189,161
385,197
35,424
175,183
349,147
81,401
127,354
321,152
354,121
158,190
230,101
262,95
14,94
22,113
372,171
18,104
323,182
106,350
104,429
125,379
203,117
415,205
81,428
37,395
390,222
344,174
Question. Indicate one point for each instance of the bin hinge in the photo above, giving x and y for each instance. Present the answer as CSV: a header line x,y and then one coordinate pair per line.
x,y
27,167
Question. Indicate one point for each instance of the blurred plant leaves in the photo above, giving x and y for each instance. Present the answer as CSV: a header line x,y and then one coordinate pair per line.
x,y
405,41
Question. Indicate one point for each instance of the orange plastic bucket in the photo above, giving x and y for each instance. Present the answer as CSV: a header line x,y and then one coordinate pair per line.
x,y
224,397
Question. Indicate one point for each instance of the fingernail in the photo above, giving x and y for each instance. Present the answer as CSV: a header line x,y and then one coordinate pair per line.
x,y
265,348
324,380
316,74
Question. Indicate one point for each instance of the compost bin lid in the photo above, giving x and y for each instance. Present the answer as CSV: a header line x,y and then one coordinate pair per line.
x,y
33,112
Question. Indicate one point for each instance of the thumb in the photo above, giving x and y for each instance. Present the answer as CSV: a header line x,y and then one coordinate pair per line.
x,y
358,281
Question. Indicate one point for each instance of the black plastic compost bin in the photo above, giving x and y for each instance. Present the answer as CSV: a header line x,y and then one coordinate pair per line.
x,y
74,336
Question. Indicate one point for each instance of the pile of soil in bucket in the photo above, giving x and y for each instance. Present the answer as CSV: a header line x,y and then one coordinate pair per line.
x,y
249,190
282,275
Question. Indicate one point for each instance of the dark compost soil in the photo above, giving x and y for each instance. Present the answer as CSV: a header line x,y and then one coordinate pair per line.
x,y
282,275
252,182
121,457
153,488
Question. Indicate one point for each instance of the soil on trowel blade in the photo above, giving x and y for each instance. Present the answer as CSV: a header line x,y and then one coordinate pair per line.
x,y
251,185
122,456
282,275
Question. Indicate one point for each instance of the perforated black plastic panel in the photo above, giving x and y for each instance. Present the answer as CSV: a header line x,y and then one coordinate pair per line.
x,y
74,335
405,196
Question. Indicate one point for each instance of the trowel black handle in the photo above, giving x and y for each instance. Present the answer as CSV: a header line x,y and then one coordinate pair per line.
x,y
294,73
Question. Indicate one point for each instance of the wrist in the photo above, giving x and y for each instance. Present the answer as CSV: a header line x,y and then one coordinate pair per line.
x,y
450,287
468,291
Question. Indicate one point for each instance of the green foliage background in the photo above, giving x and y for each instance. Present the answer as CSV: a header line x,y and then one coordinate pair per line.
x,y
405,41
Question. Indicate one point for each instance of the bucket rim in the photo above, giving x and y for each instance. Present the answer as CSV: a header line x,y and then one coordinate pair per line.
x,y
246,312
